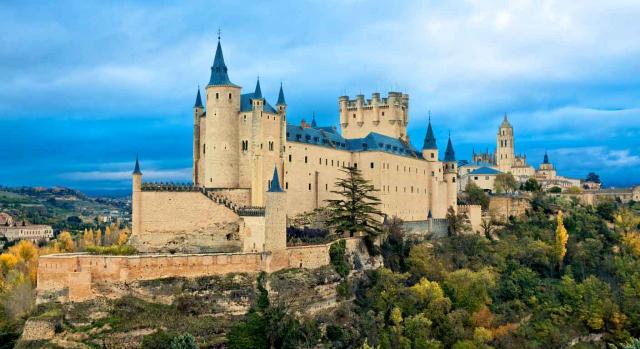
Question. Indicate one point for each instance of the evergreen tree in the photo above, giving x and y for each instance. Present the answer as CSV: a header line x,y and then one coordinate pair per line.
x,y
356,210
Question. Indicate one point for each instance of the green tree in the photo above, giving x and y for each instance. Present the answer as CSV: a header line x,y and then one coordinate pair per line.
x,y
555,190
476,196
505,183
468,289
184,341
357,208
532,185
458,222
592,177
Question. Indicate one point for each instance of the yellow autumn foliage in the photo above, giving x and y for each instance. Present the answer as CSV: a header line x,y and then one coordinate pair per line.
x,y
561,239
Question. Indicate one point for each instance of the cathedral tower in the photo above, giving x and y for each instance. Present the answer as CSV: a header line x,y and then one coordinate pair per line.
x,y
221,144
505,147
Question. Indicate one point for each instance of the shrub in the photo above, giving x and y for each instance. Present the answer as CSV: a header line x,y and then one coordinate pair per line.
x,y
123,250
338,256
158,340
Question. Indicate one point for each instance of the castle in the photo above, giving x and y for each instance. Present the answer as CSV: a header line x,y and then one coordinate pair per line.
x,y
252,169
485,166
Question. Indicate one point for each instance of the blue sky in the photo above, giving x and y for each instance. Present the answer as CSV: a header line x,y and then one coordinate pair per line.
x,y
88,84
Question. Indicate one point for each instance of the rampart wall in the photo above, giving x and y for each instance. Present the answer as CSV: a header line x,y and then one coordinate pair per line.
x,y
76,273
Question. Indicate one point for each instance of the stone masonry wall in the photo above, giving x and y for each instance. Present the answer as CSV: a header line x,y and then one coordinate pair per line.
x,y
57,272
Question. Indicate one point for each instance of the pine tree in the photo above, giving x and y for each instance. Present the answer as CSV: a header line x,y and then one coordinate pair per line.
x,y
356,210
561,240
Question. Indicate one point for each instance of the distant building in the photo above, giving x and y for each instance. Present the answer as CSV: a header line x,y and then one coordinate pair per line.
x,y
12,231
505,160
483,177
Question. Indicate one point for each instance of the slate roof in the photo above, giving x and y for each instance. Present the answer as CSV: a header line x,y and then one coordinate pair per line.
x,y
449,153
245,104
281,100
430,139
198,103
219,76
485,171
275,182
372,142
136,169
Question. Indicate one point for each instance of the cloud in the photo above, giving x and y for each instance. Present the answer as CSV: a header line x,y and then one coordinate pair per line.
x,y
566,72
180,174
592,157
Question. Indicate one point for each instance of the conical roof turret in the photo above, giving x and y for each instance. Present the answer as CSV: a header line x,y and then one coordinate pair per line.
x,y
546,158
198,103
430,139
257,94
449,153
219,75
136,169
275,182
281,100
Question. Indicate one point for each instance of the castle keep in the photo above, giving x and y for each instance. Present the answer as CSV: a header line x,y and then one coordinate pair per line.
x,y
243,145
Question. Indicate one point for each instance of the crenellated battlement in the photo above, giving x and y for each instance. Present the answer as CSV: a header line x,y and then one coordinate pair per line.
x,y
387,116
393,99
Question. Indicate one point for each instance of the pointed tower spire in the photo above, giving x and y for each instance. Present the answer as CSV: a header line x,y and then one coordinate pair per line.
x,y
449,153
546,158
198,103
219,76
258,92
281,100
429,139
275,182
136,169
313,121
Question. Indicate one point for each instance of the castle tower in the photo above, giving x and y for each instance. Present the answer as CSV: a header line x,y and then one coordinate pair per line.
x,y
505,146
387,116
198,111
275,216
450,173
430,148
136,200
221,143
257,189
281,105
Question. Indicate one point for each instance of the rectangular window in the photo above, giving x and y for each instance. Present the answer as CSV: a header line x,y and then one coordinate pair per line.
x,y
217,95
229,96
289,157
320,161
372,165
286,185
305,159
309,186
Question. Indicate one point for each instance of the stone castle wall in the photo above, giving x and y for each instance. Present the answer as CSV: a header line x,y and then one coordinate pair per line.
x,y
501,207
76,273
187,222
407,187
